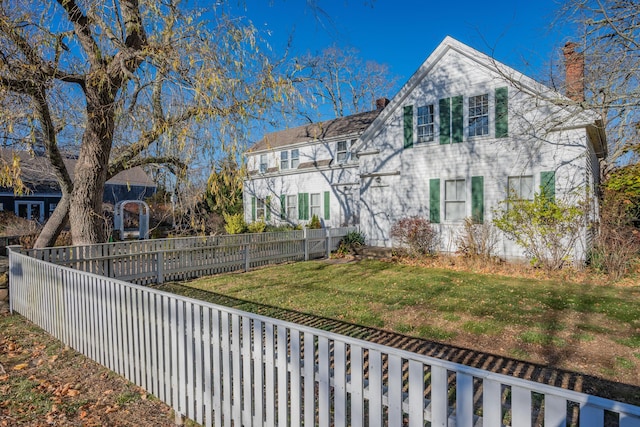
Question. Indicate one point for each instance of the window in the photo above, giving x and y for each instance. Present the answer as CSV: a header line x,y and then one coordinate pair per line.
x,y
263,163
292,207
342,153
295,159
479,115
425,123
315,204
454,200
260,209
284,160
521,187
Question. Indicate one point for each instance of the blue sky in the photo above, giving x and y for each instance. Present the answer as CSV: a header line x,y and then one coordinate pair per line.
x,y
402,33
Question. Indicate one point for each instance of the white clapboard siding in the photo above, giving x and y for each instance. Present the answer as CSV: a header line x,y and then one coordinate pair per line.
x,y
224,367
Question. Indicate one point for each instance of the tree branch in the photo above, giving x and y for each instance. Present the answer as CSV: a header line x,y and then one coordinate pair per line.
x,y
81,24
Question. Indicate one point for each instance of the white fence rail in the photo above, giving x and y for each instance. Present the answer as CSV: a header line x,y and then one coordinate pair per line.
x,y
223,367
156,261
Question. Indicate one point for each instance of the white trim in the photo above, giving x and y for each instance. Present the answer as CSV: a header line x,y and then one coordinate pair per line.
x,y
12,194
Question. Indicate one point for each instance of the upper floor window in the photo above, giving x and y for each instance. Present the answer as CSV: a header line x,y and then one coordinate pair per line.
x,y
263,163
284,160
454,199
479,115
295,159
342,151
521,187
425,123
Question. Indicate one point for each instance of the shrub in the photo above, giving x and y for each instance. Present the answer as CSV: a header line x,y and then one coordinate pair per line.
x,y
617,242
416,235
315,222
546,229
234,224
257,227
477,240
350,241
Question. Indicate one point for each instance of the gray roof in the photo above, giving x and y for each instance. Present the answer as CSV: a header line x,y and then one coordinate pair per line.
x,y
36,171
349,125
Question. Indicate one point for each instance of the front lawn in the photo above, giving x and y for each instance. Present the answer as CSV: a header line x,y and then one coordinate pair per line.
x,y
593,329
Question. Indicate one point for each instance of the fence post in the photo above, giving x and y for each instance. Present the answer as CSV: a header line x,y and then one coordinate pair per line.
x,y
328,231
306,244
160,267
246,257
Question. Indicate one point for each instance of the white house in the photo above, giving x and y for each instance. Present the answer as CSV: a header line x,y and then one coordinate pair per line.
x,y
463,132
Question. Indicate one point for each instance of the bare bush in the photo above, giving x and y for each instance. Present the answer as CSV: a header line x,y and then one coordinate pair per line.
x,y
477,240
416,235
617,242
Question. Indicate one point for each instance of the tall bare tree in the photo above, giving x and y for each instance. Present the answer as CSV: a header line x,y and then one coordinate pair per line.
x,y
609,38
341,78
125,83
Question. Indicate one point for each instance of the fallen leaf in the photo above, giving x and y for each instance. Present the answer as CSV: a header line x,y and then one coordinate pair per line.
x,y
73,392
83,414
21,366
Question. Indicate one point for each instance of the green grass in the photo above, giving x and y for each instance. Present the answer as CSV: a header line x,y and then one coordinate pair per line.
x,y
433,303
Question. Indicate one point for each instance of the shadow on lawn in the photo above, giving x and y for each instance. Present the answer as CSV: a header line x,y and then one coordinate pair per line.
x,y
499,364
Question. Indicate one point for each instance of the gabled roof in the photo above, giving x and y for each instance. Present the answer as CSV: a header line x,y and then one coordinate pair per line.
x,y
342,126
36,171
523,82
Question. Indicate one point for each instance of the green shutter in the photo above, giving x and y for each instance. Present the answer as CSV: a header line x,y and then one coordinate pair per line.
x,y
253,209
434,201
477,199
327,207
457,119
502,108
267,208
548,184
445,120
303,206
283,206
408,126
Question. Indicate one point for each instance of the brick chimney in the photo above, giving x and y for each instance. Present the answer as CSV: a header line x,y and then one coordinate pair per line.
x,y
574,72
381,103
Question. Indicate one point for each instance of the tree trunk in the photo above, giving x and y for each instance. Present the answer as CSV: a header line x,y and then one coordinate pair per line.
x,y
55,224
85,214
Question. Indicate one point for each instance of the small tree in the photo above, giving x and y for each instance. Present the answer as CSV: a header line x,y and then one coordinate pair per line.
x,y
545,228
416,235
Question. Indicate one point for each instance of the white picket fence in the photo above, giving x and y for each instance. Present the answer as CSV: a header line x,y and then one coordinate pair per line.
x,y
147,262
224,367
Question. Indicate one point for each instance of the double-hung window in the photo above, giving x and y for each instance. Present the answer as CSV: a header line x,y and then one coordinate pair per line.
x,y
260,209
292,207
342,151
295,159
315,204
263,163
284,160
454,199
425,123
479,115
521,187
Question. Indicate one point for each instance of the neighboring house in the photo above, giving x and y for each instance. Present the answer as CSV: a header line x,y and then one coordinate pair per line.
x,y
44,193
463,132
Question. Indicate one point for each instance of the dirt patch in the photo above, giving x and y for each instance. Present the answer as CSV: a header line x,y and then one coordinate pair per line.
x,y
43,383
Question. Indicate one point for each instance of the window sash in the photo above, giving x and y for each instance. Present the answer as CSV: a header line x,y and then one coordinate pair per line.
x,y
284,160
455,199
315,204
295,159
425,123
292,207
263,163
479,115
260,209
342,155
520,187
